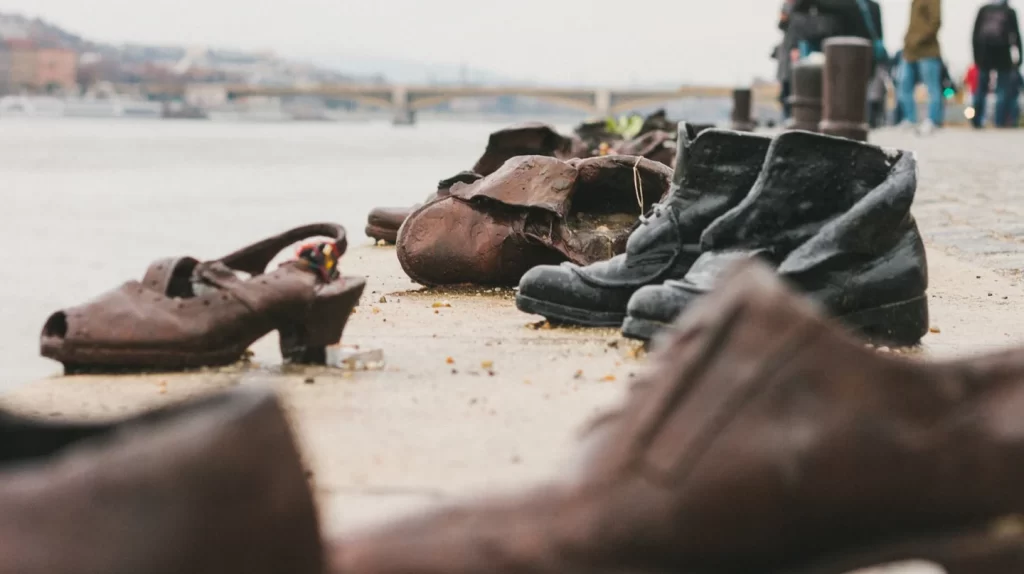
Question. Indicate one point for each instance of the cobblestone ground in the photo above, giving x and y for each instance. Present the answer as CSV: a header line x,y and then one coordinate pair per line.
x,y
970,201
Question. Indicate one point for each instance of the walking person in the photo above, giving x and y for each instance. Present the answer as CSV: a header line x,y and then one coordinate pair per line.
x,y
922,61
996,36
785,54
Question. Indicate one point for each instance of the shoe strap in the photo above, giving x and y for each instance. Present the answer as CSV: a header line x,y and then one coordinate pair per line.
x,y
255,258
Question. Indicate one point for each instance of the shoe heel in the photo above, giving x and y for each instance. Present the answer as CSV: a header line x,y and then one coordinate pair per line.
x,y
305,341
900,324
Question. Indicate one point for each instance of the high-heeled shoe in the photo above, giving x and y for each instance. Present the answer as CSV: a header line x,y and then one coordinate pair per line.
x,y
766,439
187,314
214,486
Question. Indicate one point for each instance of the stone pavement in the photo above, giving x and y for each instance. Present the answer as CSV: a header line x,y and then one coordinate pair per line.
x,y
474,398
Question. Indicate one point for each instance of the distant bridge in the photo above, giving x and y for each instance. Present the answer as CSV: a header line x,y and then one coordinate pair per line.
x,y
403,100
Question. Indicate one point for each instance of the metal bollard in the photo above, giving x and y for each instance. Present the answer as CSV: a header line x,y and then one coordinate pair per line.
x,y
848,65
807,82
742,106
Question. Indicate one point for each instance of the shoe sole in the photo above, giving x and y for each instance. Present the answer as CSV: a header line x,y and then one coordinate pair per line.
x,y
382,233
977,549
569,315
899,324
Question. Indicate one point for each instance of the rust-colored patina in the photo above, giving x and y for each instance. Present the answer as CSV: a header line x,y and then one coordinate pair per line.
x,y
215,486
535,210
186,313
531,138
764,439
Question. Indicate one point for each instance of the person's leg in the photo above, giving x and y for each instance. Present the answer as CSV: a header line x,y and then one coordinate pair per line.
x,y
908,81
1015,100
1003,89
784,93
981,97
931,76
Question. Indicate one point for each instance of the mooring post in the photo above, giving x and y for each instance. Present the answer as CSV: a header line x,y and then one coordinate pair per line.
x,y
742,109
848,66
807,81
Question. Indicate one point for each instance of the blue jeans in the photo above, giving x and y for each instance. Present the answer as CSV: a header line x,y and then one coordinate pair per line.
x,y
1006,92
929,72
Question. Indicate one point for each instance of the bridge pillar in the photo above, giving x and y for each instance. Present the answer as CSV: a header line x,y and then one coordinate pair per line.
x,y
603,103
403,114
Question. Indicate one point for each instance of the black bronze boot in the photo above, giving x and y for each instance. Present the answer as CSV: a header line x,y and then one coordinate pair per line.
x,y
714,171
833,216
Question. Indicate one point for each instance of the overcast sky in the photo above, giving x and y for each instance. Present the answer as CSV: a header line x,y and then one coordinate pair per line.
x,y
608,42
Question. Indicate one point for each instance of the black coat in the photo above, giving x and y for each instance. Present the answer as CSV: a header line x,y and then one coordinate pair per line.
x,y
996,56
849,21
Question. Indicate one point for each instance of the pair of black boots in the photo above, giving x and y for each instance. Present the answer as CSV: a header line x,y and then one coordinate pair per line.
x,y
831,215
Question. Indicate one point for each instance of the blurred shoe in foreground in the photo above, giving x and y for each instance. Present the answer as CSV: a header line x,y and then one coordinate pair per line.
x,y
765,439
209,487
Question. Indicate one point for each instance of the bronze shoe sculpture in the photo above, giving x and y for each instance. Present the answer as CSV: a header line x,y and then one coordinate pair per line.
x,y
535,210
186,314
531,138
210,487
656,146
765,439
383,223
834,216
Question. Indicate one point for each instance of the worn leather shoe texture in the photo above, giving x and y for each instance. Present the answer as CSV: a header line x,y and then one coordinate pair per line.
x,y
383,223
764,439
532,211
715,171
530,138
833,216
187,314
214,486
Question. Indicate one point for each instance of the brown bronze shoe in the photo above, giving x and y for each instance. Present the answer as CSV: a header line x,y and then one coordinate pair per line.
x,y
535,210
383,223
656,146
187,314
211,487
766,439
531,138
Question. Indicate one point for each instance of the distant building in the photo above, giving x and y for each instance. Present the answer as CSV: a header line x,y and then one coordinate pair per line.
x,y
22,67
5,71
56,69
30,68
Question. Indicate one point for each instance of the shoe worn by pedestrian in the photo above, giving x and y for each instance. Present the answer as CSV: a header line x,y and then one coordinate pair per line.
x,y
210,487
764,440
714,171
383,223
531,138
834,216
535,210
186,314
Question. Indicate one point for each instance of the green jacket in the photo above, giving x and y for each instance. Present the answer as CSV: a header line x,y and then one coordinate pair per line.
x,y
922,40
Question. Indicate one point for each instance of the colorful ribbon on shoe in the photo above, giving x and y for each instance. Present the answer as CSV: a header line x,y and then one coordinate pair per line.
x,y
321,258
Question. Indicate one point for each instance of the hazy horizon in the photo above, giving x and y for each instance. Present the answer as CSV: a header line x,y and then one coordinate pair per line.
x,y
560,41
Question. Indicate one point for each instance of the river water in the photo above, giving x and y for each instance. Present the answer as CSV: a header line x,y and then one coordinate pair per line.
x,y
88,204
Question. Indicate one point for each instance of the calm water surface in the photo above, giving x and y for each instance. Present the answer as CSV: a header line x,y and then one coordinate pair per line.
x,y
89,204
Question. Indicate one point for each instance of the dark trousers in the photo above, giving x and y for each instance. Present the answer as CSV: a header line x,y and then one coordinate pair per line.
x,y
786,90
1007,92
